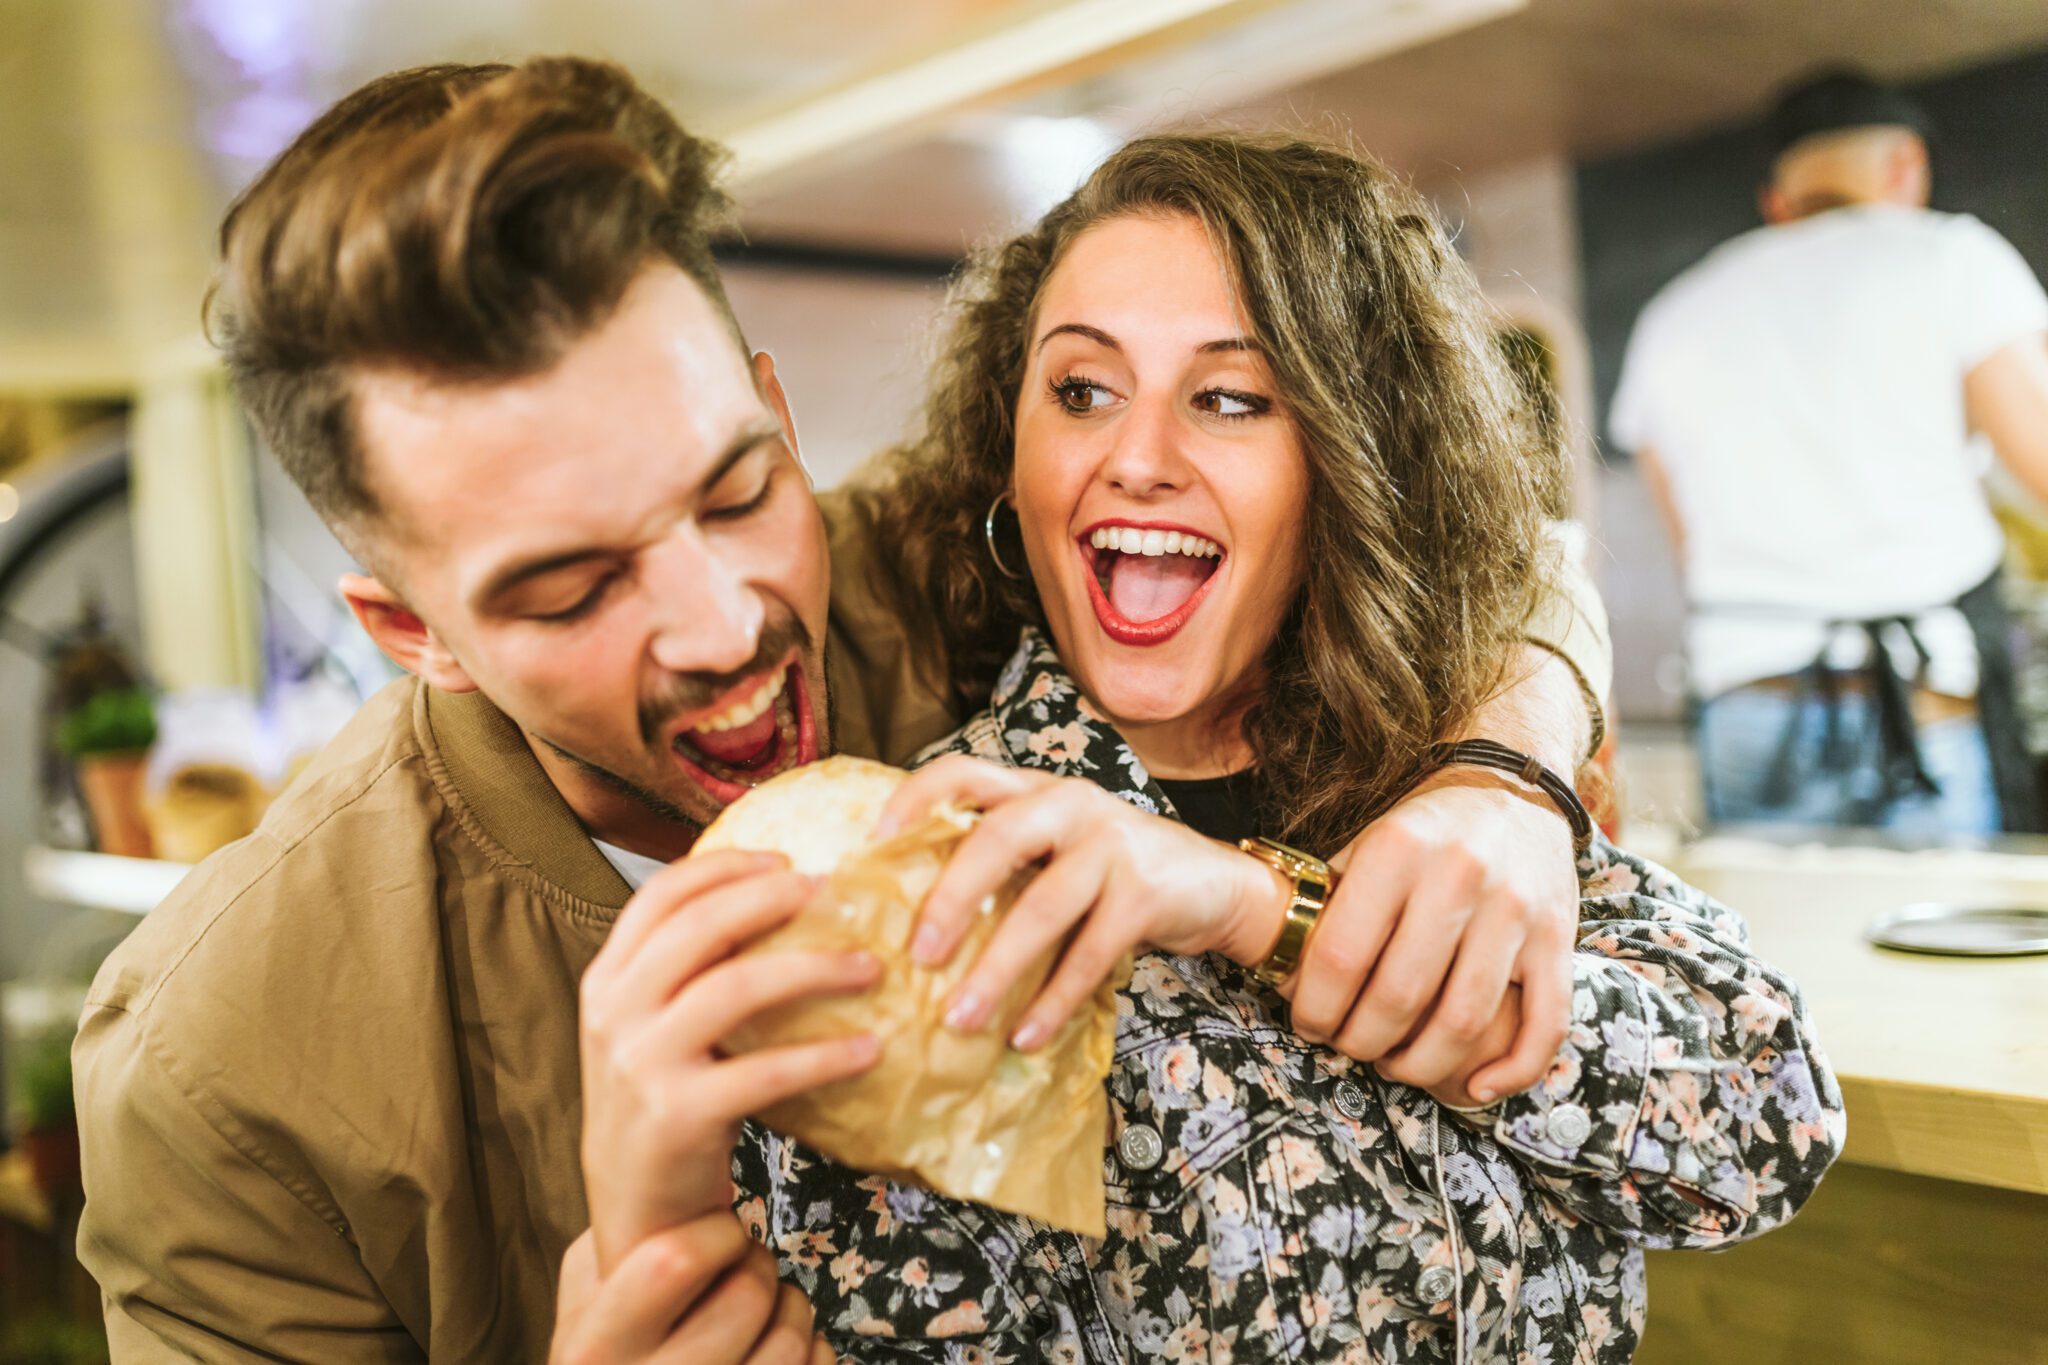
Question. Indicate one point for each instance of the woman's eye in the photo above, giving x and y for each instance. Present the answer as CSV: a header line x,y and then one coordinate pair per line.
x,y
1228,403
1081,396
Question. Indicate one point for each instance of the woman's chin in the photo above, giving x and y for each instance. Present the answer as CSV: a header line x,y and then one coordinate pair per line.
x,y
1138,693
1137,685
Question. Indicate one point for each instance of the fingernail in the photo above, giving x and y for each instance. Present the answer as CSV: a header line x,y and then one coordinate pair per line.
x,y
1483,1094
924,948
863,963
867,1048
965,1015
1029,1035
884,827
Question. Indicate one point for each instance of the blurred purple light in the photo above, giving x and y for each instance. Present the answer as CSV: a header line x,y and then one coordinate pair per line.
x,y
250,67
260,38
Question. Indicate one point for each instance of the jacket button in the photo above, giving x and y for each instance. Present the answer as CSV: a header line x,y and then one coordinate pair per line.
x,y
1569,1125
1139,1147
1436,1283
1351,1099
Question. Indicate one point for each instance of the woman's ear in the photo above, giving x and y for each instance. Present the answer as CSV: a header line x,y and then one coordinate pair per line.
x,y
402,635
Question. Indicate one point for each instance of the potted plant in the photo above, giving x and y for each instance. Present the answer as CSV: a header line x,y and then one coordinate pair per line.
x,y
107,739
49,1114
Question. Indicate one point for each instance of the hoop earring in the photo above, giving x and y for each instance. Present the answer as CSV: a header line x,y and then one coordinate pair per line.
x,y
988,530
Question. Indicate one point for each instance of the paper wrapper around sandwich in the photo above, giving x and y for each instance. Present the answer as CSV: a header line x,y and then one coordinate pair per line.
x,y
962,1113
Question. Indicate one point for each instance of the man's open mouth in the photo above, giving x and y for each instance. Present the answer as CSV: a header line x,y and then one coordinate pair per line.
x,y
758,729
1146,580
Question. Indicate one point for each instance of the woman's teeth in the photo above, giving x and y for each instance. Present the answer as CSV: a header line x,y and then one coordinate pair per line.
x,y
748,708
1132,541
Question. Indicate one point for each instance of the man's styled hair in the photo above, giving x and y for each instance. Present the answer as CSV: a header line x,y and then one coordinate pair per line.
x,y
465,221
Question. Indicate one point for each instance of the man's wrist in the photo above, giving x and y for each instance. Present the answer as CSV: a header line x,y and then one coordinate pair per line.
x,y
1542,711
1262,897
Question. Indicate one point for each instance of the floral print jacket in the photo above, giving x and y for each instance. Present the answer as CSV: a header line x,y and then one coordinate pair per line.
x,y
1271,1200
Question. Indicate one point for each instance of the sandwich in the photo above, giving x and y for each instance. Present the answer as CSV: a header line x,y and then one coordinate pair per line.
x,y
960,1113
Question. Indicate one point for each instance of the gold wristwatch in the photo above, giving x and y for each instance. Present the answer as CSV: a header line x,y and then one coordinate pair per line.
x,y
1312,879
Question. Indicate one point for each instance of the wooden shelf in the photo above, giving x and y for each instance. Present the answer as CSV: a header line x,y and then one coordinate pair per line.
x,y
101,881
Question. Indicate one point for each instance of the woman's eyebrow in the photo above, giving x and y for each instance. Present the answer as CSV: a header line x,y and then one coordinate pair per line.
x,y
1082,329
1097,335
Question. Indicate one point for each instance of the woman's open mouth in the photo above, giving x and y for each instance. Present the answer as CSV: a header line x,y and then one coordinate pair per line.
x,y
761,728
1146,580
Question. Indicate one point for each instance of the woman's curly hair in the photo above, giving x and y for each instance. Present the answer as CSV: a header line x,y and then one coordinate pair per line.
x,y
1425,547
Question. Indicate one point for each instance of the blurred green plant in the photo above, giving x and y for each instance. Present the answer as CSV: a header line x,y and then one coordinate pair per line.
x,y
52,1340
117,721
43,1082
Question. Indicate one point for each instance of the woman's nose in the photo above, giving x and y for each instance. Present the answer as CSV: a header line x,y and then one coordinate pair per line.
x,y
1146,459
707,616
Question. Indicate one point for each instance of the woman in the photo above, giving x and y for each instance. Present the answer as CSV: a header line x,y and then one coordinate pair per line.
x,y
1265,356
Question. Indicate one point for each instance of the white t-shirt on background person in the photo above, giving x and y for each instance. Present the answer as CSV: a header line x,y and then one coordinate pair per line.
x,y
1802,387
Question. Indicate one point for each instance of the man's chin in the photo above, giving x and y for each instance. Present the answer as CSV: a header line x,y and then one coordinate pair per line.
x,y
668,796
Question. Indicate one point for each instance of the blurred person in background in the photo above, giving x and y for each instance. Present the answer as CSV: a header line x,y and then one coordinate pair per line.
x,y
1803,402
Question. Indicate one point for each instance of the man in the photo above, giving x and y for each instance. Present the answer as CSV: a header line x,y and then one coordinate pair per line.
x,y
1802,402
329,1091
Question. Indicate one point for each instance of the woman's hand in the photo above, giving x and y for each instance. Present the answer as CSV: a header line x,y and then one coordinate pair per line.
x,y
1129,880
701,1291
662,1106
1464,891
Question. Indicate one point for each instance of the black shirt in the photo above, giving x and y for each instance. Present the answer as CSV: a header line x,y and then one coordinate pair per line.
x,y
1223,808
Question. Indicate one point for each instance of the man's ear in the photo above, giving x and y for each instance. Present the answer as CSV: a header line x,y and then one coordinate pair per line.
x,y
770,385
1909,172
401,634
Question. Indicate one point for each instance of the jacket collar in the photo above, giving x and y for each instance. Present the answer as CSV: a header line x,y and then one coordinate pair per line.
x,y
484,758
1041,720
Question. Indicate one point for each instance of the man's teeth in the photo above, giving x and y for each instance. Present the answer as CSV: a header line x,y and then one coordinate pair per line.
x,y
746,709
1132,541
786,750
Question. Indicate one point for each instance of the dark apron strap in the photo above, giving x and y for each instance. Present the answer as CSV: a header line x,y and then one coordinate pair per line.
x,y
1998,707
1901,767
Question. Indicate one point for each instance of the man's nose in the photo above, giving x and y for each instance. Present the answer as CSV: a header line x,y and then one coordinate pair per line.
x,y
1147,459
707,616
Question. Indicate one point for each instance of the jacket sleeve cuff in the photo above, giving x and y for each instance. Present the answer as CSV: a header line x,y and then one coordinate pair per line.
x,y
1582,1115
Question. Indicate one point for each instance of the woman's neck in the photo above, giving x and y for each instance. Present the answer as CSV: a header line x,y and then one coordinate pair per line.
x,y
1191,747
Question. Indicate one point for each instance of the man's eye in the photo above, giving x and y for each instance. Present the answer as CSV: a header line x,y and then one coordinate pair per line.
x,y
1079,395
737,510
1229,403
583,605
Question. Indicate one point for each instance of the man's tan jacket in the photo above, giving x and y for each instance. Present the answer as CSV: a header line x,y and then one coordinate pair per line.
x,y
328,1091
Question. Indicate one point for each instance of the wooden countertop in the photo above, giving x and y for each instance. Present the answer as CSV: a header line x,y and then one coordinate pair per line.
x,y
1943,1061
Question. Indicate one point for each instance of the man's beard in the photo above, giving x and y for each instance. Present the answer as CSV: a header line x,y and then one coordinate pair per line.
x,y
687,692
659,805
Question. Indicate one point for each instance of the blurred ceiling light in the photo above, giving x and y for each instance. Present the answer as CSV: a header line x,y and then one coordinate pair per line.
x,y
263,41
1044,159
10,502
252,64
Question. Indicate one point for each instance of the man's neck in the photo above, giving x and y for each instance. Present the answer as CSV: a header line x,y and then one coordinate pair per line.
x,y
611,811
